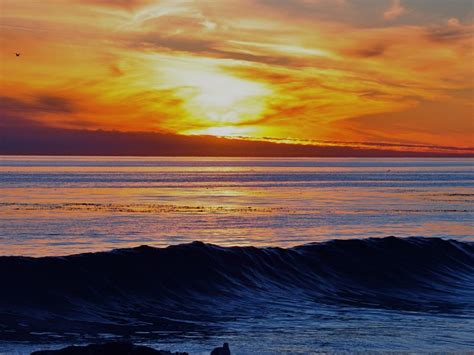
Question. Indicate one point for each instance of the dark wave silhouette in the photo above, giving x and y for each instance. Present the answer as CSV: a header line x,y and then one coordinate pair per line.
x,y
188,284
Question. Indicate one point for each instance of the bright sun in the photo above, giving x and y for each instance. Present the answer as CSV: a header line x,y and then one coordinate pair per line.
x,y
217,102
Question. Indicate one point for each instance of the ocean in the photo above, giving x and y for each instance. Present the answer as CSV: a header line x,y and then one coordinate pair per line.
x,y
270,255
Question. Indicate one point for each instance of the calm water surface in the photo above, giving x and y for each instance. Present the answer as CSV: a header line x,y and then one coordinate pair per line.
x,y
65,205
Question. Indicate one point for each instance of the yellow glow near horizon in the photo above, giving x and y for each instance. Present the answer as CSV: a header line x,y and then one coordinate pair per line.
x,y
225,131
214,98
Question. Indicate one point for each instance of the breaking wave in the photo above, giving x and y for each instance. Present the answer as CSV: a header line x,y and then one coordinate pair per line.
x,y
187,284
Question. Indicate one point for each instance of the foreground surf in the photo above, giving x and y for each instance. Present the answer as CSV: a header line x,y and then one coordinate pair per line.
x,y
183,285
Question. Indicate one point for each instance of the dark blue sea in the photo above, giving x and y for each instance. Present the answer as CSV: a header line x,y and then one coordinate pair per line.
x,y
274,256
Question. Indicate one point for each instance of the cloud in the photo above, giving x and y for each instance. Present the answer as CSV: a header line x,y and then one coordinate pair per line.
x,y
125,4
318,62
13,121
442,121
395,10
37,104
452,31
15,112
370,50
453,22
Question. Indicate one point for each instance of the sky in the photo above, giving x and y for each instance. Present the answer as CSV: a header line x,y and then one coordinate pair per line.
x,y
396,73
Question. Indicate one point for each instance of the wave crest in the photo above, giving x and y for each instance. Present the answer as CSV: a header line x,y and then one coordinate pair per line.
x,y
191,281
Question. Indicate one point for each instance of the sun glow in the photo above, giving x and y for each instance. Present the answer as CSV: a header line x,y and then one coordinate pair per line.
x,y
226,131
216,101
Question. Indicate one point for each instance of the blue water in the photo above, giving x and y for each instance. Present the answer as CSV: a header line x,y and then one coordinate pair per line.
x,y
375,294
292,285
64,205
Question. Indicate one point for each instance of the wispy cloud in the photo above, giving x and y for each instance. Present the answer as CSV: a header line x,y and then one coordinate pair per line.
x,y
395,10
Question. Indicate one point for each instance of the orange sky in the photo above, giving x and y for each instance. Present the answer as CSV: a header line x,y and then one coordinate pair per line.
x,y
382,71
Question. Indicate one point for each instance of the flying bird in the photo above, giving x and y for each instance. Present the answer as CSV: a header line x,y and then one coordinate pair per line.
x,y
17,54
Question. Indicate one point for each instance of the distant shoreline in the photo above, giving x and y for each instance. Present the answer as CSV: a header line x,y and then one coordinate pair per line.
x,y
69,142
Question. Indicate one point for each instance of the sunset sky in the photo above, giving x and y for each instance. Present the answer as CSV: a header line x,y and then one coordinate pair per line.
x,y
307,71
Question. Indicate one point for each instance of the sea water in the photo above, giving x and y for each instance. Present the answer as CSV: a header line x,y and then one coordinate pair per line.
x,y
65,205
313,271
